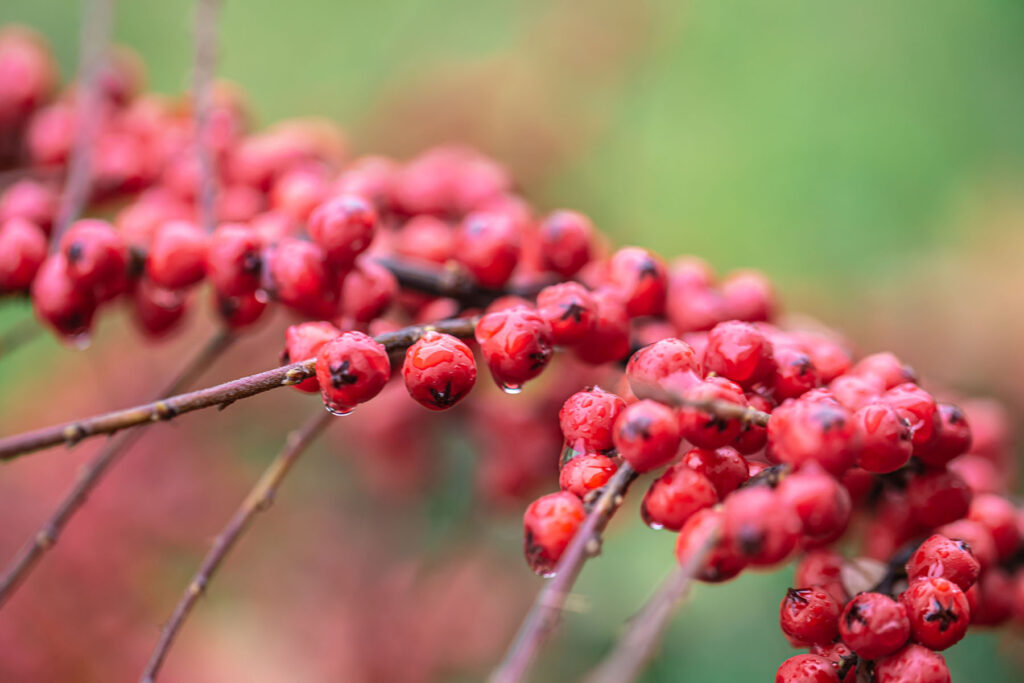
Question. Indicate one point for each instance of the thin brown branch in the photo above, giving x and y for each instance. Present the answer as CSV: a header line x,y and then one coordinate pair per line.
x,y
450,281
97,26
70,433
723,409
547,607
259,499
90,477
646,630
204,66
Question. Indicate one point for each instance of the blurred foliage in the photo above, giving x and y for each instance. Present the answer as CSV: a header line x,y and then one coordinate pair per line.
x,y
824,142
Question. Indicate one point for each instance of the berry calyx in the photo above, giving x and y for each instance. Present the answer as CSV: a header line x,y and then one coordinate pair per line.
x,y
439,370
351,369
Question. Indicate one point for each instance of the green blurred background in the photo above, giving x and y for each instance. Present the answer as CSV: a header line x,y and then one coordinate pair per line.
x,y
866,155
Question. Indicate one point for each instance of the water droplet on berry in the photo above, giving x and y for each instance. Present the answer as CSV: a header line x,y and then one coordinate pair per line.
x,y
338,412
547,574
511,388
80,342
656,526
262,296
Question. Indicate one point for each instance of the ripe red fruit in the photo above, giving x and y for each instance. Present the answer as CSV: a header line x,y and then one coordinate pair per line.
x,y
548,525
59,302
874,625
913,663
177,255
565,239
938,612
824,568
748,295
837,652
821,502
944,557
830,356
977,537
22,252
304,341
516,343
885,437
585,473
343,227
157,310
233,260
96,256
32,200
569,309
807,669
885,367
810,615
487,244
675,496
302,280
739,352
724,467
794,372
999,516
439,370
954,437
368,291
587,418
657,362
753,437
918,406
238,312
813,429
642,279
609,339
702,428
991,598
937,497
761,527
646,435
722,562
856,391
351,369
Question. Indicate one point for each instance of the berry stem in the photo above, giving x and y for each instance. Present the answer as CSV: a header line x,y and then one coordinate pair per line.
x,y
544,615
723,409
90,477
450,281
204,66
222,395
644,632
259,499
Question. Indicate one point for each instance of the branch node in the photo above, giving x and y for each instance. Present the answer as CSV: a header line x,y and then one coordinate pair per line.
x,y
74,433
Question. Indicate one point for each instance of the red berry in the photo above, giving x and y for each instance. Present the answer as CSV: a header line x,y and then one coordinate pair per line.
x,y
918,406
999,516
59,302
954,438
587,419
981,474
938,612
548,525
439,370
722,562
368,291
856,391
885,367
585,473
739,352
641,278
343,227
822,568
944,557
301,279
570,310
177,255
807,669
157,310
913,663
651,365
351,369
794,372
838,653
991,598
937,497
238,312
646,435
22,252
565,239
516,343
830,356
724,467
32,200
704,429
810,615
821,502
675,496
885,438
609,339
874,625
233,261
748,296
762,528
487,244
426,238
811,430
977,537
303,341
96,256
753,437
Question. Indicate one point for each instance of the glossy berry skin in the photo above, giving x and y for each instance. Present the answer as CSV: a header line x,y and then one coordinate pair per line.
x,y
874,625
748,295
918,406
753,437
487,244
22,251
641,278
810,615
586,473
59,302
886,368
177,255
343,227
761,527
807,669
954,437
822,568
885,438
675,496
938,612
913,663
821,502
806,430
587,418
233,259
351,369
739,352
724,467
722,563
565,239
704,429
96,256
668,360
549,524
991,599
569,309
999,516
794,372
856,391
609,339
516,343
646,435
947,558
938,497
439,370
977,537
304,341
837,653
301,279
368,291
157,311
239,312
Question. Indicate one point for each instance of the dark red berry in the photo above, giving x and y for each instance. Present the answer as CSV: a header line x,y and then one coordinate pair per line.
x,y
807,669
675,496
439,370
239,312
701,531
22,252
642,279
704,429
516,343
587,419
739,352
570,310
585,473
821,502
724,467
343,227
913,663
838,654
368,291
97,257
824,568
874,625
977,537
810,615
753,437
794,373
487,244
918,406
157,310
548,525
999,516
885,367
991,598
351,369
942,557
302,280
609,339
672,358
303,341
646,435
830,356
565,239
938,612
177,255
761,527
885,438
233,259
809,429
954,438
937,497
59,302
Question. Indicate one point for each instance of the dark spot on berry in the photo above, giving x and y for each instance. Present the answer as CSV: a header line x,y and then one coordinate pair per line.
x,y
648,269
798,595
854,615
575,311
829,418
75,253
251,263
443,398
942,614
803,366
956,416
717,422
638,427
341,374
227,307
540,357
751,540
